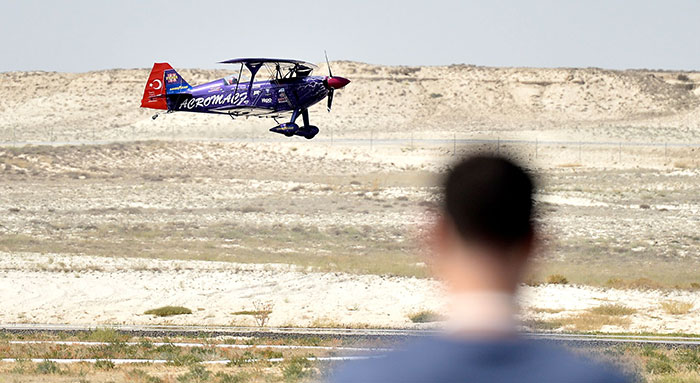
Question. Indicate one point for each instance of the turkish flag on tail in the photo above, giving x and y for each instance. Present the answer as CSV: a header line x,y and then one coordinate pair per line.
x,y
154,94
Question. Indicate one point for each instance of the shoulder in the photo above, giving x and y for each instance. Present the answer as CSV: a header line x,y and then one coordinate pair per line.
x,y
441,360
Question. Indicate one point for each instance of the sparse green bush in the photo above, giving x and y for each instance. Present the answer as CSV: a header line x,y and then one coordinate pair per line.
x,y
178,358
196,374
104,364
659,366
296,369
557,279
222,377
690,358
426,316
683,77
106,335
435,95
47,367
241,360
167,311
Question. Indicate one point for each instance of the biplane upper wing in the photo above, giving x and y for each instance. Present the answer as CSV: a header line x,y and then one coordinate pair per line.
x,y
282,68
258,61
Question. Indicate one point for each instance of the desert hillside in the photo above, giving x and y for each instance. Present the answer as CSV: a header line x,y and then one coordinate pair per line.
x,y
569,104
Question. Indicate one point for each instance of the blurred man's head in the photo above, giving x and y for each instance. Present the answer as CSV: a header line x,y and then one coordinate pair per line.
x,y
485,233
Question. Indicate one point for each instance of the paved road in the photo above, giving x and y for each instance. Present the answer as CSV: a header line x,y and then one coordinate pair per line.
x,y
385,335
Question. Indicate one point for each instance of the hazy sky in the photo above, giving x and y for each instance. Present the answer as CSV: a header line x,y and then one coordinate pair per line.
x,y
78,36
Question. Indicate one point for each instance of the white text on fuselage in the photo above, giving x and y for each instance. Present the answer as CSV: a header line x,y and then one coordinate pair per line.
x,y
218,99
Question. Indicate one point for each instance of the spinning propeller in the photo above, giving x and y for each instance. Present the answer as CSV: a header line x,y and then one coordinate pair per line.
x,y
333,83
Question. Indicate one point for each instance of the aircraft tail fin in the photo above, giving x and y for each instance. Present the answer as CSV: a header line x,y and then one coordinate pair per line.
x,y
162,81
154,94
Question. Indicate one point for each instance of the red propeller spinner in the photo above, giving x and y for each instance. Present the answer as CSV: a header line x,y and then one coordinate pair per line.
x,y
337,82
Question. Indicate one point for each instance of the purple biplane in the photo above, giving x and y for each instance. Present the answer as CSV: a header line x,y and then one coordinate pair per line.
x,y
290,89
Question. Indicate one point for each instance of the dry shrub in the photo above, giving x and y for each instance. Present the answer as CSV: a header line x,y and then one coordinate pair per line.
x,y
682,165
544,310
613,310
264,309
261,313
532,281
589,321
557,279
676,307
637,284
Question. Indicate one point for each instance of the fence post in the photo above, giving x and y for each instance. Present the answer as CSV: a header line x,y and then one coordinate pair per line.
x,y
619,152
579,152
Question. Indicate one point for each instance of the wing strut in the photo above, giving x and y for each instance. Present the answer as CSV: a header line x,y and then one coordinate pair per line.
x,y
238,80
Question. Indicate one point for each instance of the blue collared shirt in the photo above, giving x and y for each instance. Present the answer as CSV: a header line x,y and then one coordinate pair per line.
x,y
440,359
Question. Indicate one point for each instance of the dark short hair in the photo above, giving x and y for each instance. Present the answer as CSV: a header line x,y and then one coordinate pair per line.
x,y
489,198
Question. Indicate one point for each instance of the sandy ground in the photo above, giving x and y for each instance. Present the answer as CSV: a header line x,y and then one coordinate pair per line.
x,y
92,290
96,290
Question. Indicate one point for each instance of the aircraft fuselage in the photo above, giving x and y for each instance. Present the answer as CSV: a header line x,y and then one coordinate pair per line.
x,y
256,99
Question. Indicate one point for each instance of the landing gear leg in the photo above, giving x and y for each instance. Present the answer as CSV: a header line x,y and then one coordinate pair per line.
x,y
295,115
305,116
307,131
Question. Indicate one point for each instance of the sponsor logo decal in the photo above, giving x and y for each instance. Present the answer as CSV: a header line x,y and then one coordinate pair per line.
x,y
181,87
218,99
266,100
281,96
171,78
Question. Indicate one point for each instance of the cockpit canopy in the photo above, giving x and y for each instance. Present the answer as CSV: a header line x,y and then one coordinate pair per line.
x,y
231,80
